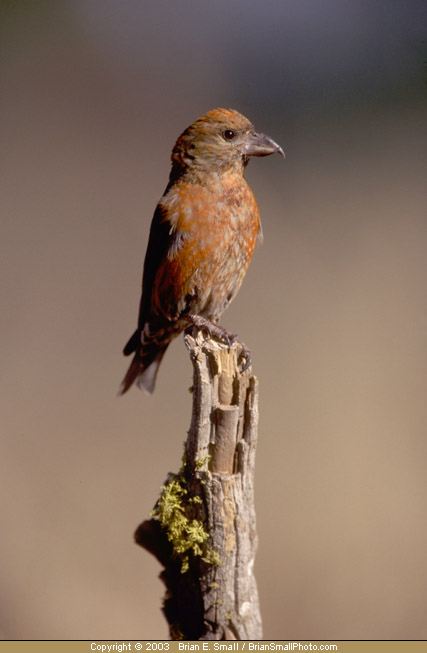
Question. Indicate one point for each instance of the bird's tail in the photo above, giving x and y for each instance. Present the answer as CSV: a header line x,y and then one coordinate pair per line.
x,y
145,363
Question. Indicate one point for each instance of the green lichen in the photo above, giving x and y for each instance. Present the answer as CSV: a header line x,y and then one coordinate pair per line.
x,y
211,557
176,632
202,463
175,511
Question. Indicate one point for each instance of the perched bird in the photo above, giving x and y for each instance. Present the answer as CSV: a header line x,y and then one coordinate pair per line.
x,y
201,240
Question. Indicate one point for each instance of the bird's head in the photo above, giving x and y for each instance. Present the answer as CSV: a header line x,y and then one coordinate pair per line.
x,y
220,140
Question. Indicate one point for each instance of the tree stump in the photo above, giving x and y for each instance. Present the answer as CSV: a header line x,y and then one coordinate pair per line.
x,y
203,528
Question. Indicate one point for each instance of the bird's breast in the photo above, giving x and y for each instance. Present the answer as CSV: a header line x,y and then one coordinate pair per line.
x,y
214,229
224,204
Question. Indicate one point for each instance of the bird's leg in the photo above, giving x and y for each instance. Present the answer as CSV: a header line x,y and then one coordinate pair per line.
x,y
212,329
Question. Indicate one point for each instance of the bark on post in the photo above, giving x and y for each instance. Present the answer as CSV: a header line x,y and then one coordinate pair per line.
x,y
203,530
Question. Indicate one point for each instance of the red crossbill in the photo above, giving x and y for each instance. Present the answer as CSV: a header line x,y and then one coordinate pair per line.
x,y
202,238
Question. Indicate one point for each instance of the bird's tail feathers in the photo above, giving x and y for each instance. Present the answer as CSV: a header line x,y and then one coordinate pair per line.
x,y
143,369
133,343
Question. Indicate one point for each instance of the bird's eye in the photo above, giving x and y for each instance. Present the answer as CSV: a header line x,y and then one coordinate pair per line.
x,y
229,134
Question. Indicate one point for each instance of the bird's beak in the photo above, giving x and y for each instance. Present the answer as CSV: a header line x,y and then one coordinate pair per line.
x,y
261,145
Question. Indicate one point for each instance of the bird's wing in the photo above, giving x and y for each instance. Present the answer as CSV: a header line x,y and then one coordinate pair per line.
x,y
160,241
164,243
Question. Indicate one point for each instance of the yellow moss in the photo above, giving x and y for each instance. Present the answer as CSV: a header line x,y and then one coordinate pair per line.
x,y
202,463
175,512
176,632
211,557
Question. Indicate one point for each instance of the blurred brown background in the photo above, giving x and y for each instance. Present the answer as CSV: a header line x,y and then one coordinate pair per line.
x,y
93,96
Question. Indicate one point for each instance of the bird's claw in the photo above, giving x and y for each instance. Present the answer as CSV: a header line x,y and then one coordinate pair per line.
x,y
246,356
203,325
203,329
229,339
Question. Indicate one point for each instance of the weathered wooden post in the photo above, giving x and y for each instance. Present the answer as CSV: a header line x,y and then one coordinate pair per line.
x,y
203,527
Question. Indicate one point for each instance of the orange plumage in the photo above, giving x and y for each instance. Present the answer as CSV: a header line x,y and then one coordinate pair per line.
x,y
202,237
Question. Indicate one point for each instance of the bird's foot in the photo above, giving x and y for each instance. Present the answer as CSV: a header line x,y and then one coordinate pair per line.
x,y
204,325
245,356
211,329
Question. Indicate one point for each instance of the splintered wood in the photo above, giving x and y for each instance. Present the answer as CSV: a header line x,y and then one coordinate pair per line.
x,y
216,598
